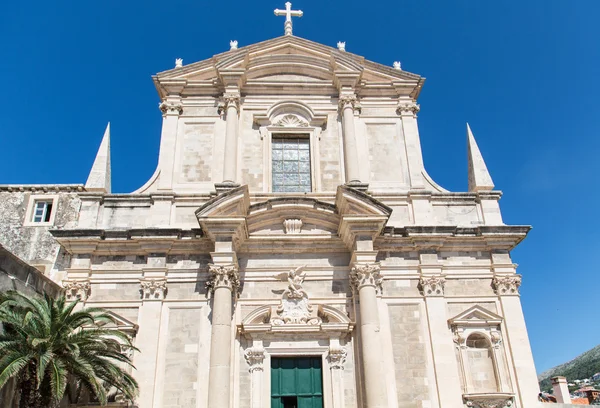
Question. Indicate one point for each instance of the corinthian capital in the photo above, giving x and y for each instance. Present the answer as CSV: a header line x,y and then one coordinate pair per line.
x,y
366,275
170,108
77,290
432,285
408,108
223,276
153,289
507,285
231,99
348,101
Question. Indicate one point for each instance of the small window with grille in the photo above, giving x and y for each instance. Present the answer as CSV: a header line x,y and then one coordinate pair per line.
x,y
291,170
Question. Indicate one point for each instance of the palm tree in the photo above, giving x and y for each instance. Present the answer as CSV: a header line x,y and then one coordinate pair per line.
x,y
45,345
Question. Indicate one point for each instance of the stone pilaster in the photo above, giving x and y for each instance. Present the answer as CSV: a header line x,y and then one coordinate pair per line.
x,y
255,357
432,285
507,289
408,112
336,358
171,108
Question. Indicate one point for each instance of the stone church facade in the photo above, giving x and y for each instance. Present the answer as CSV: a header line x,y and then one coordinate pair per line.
x,y
291,250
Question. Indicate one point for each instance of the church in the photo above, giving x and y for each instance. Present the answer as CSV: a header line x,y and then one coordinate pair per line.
x,y
290,250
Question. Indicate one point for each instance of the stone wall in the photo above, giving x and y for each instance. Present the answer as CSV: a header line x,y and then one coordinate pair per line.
x,y
33,243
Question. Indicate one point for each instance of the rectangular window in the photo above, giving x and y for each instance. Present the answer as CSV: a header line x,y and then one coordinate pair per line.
x,y
42,210
291,164
296,382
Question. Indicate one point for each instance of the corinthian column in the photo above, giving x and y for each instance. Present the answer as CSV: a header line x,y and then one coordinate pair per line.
x,y
232,103
365,279
347,104
223,282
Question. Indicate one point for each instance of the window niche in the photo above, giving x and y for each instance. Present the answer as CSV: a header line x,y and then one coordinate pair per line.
x,y
290,132
481,358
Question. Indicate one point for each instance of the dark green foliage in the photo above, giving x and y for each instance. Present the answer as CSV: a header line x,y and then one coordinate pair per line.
x,y
47,345
583,366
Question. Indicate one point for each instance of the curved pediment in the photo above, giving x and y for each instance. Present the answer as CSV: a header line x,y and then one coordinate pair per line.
x,y
315,217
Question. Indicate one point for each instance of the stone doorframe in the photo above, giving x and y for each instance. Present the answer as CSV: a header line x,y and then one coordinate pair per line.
x,y
323,338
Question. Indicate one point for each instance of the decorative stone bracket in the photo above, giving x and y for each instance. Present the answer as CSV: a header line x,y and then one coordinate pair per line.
x,y
337,357
255,357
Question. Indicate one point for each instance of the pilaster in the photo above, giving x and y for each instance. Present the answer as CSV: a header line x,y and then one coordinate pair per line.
x,y
432,285
171,108
517,339
153,290
407,109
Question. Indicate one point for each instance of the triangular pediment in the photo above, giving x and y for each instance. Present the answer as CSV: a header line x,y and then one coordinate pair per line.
x,y
285,59
475,315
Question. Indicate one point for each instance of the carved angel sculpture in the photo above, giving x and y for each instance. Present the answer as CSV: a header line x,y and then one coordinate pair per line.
x,y
295,280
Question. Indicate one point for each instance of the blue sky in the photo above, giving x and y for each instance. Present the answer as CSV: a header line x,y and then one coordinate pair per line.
x,y
522,73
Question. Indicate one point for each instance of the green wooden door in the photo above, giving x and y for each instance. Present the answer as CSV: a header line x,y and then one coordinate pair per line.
x,y
296,383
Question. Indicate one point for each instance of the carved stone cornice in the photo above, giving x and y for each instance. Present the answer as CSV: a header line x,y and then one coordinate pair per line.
x,y
345,101
255,357
432,285
170,108
223,276
366,275
153,289
507,285
77,290
408,108
337,358
489,400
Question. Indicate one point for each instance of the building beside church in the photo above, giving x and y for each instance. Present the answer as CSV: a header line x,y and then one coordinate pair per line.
x,y
290,249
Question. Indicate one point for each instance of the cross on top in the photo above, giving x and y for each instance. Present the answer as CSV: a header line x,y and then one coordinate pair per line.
x,y
288,13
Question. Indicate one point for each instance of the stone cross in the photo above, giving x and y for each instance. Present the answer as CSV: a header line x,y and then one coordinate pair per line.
x,y
288,13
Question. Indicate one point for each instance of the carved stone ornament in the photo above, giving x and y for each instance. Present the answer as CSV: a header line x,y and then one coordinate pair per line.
x,y
178,62
226,276
496,339
459,339
341,45
290,121
507,285
337,358
349,100
295,307
366,275
432,285
153,289
233,45
491,400
255,357
77,290
231,99
408,107
170,108
292,226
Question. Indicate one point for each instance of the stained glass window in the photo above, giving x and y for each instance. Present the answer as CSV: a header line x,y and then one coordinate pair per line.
x,y
291,164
